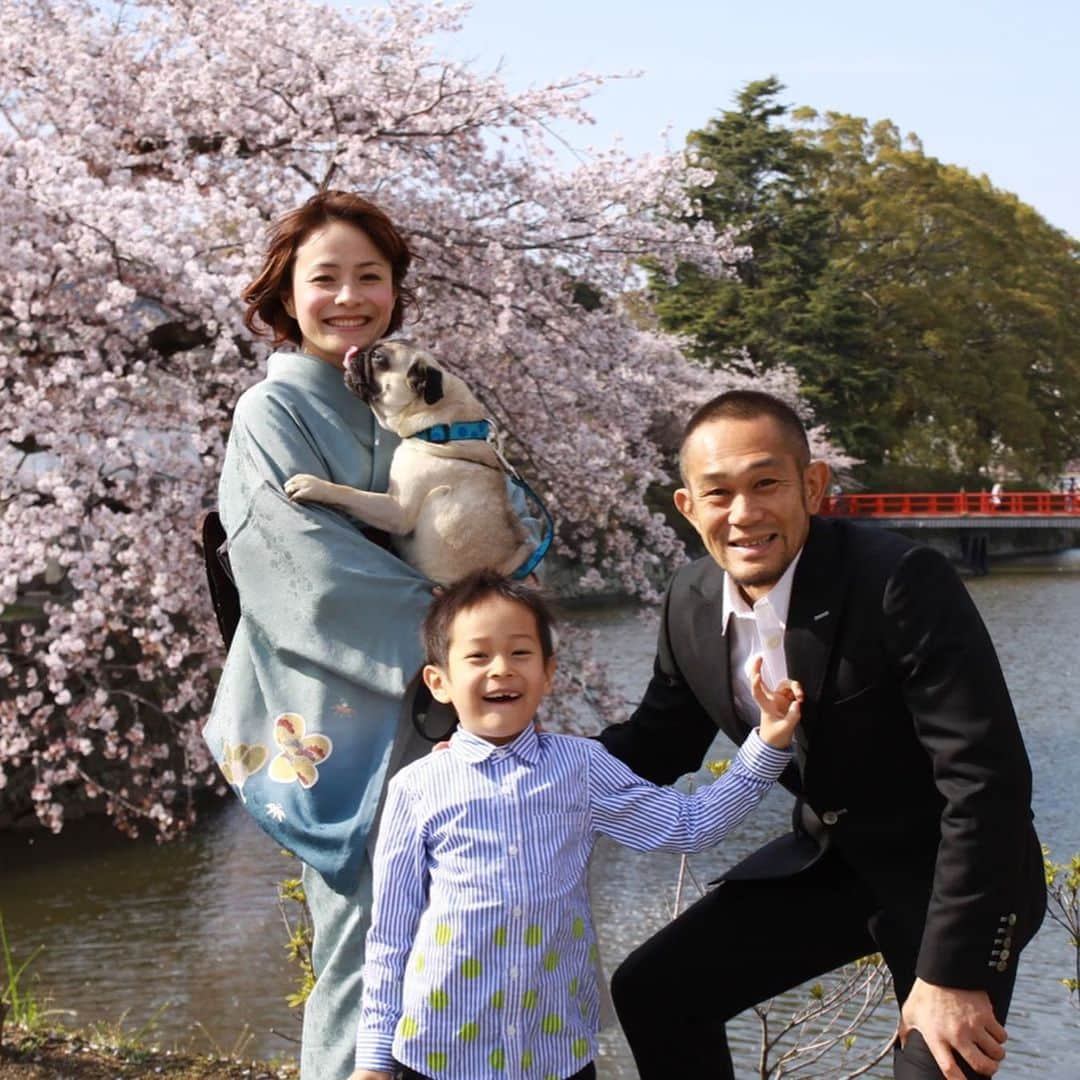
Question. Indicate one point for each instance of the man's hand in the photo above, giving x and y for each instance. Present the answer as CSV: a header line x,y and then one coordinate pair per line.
x,y
781,709
955,1020
371,1074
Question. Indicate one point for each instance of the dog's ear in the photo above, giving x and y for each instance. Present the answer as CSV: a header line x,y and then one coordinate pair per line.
x,y
433,389
425,381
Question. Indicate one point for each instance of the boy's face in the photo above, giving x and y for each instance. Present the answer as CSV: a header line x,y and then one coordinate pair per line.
x,y
496,675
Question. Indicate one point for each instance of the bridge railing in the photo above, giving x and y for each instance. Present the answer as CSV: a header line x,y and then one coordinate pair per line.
x,y
953,504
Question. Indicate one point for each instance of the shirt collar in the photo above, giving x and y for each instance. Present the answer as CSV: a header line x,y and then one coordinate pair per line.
x,y
473,749
318,377
778,597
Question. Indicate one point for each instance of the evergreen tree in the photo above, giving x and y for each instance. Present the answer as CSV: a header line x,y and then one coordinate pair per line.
x,y
933,320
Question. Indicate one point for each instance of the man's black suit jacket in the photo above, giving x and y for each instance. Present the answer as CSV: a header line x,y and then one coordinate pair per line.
x,y
909,754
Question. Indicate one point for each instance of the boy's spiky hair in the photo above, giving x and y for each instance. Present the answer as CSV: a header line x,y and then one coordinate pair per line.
x,y
472,590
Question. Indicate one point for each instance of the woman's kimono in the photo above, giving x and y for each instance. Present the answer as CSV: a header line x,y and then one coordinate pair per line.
x,y
309,706
310,697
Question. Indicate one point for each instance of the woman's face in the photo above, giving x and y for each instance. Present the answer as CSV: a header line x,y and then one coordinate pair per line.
x,y
342,293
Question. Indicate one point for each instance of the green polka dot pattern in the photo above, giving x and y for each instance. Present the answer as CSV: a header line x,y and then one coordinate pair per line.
x,y
438,1000
552,1024
534,935
472,968
443,934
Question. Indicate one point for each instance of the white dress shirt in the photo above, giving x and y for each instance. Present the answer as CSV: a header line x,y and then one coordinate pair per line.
x,y
753,631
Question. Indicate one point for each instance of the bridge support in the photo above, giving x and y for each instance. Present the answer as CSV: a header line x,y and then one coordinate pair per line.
x,y
974,548
974,551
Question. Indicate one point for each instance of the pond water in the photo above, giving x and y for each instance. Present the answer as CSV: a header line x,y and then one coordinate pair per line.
x,y
188,938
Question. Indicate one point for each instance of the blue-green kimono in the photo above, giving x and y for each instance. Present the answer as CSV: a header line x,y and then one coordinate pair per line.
x,y
310,697
309,707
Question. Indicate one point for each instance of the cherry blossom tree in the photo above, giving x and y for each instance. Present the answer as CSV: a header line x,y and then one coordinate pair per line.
x,y
144,148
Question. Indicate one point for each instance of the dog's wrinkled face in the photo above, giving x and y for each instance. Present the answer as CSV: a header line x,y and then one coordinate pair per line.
x,y
393,375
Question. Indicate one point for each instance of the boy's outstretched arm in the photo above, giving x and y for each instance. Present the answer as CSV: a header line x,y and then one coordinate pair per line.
x,y
646,817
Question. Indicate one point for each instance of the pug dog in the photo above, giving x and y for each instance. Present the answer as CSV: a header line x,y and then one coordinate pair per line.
x,y
447,507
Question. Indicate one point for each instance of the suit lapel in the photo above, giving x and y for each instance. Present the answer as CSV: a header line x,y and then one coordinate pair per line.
x,y
715,688
814,615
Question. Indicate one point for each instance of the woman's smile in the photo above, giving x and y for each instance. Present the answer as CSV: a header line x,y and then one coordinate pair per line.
x,y
342,292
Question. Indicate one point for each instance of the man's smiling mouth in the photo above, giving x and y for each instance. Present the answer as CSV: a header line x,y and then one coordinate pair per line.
x,y
751,544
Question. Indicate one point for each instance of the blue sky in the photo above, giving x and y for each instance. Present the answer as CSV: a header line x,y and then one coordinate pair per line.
x,y
993,86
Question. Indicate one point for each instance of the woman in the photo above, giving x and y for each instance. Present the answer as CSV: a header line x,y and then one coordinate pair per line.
x,y
308,720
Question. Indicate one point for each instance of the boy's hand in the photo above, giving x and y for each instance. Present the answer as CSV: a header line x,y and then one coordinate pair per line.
x,y
371,1074
781,709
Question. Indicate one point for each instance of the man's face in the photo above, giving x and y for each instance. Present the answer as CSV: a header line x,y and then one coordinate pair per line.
x,y
749,498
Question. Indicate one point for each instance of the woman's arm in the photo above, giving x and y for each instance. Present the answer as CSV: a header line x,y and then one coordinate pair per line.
x,y
309,702
309,581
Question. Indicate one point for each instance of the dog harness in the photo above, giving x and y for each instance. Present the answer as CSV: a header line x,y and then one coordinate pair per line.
x,y
485,431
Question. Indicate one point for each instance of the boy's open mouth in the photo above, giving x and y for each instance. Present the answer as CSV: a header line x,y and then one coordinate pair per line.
x,y
502,695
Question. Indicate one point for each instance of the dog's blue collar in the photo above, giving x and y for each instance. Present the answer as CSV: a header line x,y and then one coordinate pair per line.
x,y
444,433
483,430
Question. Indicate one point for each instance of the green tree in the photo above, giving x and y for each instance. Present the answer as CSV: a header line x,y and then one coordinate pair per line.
x,y
783,305
933,320
971,301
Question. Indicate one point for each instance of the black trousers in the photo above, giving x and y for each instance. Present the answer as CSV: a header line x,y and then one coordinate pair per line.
x,y
747,941
403,1073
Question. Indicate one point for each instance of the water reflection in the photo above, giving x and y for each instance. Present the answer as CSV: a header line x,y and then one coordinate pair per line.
x,y
189,933
193,929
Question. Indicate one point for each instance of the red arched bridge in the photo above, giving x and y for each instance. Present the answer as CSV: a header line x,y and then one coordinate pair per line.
x,y
961,509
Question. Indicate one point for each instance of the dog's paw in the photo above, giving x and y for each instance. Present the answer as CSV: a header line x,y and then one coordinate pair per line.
x,y
305,488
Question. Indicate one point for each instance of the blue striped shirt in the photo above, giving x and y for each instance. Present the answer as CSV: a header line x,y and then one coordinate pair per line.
x,y
481,956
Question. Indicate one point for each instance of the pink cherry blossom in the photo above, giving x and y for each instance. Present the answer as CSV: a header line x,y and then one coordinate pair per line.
x,y
144,149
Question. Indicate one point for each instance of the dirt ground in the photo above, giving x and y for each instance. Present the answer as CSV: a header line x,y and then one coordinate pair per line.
x,y
62,1056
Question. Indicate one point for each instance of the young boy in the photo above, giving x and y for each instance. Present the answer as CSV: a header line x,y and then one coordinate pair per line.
x,y
481,956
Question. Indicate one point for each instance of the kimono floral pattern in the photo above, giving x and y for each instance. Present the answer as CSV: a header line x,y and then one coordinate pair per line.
x,y
300,754
240,761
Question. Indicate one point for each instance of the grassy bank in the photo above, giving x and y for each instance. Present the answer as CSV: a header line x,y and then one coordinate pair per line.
x,y
69,1055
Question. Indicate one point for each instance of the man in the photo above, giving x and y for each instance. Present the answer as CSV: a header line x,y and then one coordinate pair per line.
x,y
912,830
